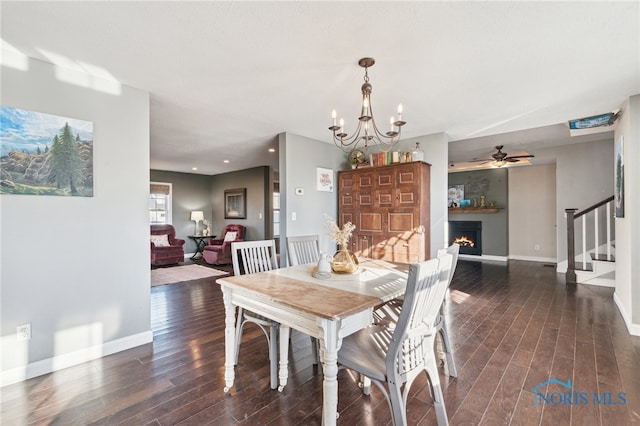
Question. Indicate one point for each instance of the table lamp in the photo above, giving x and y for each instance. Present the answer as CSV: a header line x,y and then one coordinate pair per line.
x,y
197,216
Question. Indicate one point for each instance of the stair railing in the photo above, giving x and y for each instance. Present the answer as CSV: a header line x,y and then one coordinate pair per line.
x,y
572,216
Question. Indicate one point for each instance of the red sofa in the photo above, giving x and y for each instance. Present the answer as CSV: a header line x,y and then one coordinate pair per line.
x,y
218,251
172,252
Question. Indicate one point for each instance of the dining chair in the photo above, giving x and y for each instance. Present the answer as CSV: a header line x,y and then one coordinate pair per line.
x,y
303,249
389,313
251,257
393,356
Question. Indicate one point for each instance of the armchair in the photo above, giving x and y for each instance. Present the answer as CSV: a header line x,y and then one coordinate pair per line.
x,y
166,249
218,251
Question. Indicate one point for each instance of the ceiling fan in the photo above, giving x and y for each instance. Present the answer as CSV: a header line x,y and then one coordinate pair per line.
x,y
501,158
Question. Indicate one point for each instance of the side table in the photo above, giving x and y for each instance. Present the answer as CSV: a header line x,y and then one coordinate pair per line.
x,y
201,241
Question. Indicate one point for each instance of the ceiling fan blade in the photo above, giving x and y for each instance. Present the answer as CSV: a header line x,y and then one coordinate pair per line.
x,y
477,161
511,160
520,156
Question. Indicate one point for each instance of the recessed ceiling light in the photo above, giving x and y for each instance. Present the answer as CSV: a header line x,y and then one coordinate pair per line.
x,y
194,168
225,161
272,150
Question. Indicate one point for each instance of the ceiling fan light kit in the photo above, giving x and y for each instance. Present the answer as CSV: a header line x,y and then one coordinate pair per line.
x,y
367,130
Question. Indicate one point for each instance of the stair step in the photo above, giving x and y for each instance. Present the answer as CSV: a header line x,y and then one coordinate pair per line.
x,y
603,258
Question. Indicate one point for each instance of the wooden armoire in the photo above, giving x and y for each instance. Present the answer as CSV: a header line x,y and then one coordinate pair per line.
x,y
389,205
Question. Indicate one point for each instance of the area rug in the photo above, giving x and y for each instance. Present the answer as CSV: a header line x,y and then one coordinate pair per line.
x,y
177,274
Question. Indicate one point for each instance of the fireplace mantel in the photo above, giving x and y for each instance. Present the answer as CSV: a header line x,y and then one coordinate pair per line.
x,y
475,209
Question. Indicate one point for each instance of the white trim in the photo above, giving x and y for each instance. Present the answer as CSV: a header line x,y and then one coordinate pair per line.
x,y
534,258
59,362
483,257
561,267
634,329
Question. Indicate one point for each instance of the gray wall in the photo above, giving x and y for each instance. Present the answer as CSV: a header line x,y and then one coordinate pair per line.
x,y
584,176
77,268
259,184
299,158
189,192
495,226
532,213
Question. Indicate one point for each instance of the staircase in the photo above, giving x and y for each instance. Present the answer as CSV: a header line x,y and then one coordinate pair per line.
x,y
591,245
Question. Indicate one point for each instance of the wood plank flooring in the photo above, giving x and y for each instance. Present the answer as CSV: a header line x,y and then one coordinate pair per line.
x,y
514,326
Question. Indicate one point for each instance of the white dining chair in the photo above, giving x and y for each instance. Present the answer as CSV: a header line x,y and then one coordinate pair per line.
x,y
303,249
389,313
251,257
393,356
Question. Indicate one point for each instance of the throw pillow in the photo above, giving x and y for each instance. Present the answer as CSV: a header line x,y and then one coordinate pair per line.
x,y
160,240
230,236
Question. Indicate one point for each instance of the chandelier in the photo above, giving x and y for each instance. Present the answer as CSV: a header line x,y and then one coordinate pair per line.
x,y
367,130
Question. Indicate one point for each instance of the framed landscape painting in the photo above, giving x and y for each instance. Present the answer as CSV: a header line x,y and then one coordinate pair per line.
x,y
44,154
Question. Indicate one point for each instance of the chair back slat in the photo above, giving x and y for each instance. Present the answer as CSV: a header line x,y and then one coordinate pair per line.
x,y
256,256
454,251
303,249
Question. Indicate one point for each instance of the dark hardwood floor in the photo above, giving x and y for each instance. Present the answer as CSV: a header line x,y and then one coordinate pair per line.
x,y
514,326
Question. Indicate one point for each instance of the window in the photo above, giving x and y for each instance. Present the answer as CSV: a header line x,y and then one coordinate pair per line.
x,y
276,209
159,203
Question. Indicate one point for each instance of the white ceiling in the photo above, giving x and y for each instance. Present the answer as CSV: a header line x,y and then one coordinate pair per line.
x,y
226,78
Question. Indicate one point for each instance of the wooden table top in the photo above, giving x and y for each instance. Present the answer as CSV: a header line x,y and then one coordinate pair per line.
x,y
335,298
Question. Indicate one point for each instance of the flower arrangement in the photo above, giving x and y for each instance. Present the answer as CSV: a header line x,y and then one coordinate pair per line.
x,y
207,228
340,236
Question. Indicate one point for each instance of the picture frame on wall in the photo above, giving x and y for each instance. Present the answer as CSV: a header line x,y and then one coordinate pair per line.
x,y
455,195
324,179
619,177
45,154
235,203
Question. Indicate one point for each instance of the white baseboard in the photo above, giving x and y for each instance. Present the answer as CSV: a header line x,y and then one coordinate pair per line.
x,y
483,257
562,266
634,329
59,362
534,258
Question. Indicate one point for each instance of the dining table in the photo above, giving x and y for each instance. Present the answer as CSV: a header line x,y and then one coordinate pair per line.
x,y
328,309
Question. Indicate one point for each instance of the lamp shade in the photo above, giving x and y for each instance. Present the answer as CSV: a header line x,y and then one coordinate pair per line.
x,y
197,215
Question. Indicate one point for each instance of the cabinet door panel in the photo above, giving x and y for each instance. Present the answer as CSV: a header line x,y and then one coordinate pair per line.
x,y
364,243
371,221
407,196
385,179
346,181
384,198
346,215
408,175
365,199
401,221
347,199
364,180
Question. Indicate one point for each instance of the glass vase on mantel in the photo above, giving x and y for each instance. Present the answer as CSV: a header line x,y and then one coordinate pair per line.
x,y
344,261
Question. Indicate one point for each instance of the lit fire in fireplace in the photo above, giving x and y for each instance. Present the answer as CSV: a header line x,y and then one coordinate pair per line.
x,y
463,241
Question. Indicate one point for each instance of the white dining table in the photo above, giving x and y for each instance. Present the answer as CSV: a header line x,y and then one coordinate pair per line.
x,y
328,309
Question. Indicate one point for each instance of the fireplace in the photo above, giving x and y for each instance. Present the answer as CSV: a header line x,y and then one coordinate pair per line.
x,y
468,234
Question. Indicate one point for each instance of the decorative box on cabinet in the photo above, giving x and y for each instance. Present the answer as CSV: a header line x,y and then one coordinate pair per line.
x,y
390,207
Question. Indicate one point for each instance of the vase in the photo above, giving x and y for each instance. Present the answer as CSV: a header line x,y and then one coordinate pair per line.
x,y
344,262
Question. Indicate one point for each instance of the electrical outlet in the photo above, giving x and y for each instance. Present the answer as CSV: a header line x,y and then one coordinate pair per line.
x,y
536,247
24,332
